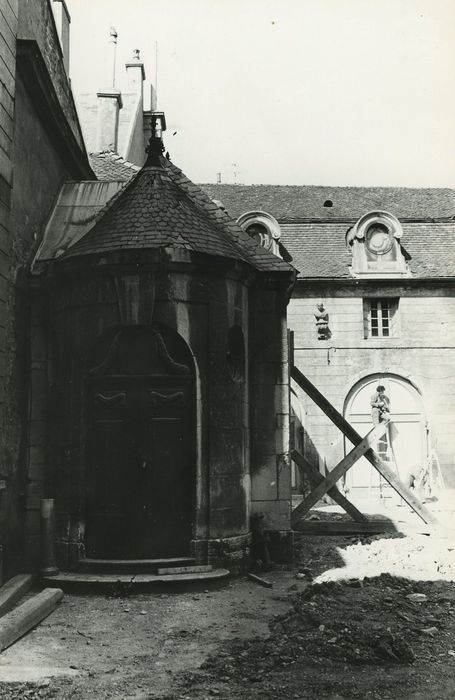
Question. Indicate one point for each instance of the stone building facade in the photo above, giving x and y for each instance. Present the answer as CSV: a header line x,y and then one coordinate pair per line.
x,y
382,263
41,146
130,314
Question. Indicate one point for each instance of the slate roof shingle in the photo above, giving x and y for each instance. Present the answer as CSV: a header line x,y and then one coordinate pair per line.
x,y
110,166
315,235
301,203
161,207
319,250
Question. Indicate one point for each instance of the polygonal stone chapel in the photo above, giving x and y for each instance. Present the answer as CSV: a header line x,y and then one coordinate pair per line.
x,y
167,352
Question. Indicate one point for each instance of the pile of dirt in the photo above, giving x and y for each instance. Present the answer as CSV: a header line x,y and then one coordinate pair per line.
x,y
377,621
27,691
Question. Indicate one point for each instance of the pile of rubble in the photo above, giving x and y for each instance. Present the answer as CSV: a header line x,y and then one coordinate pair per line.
x,y
383,620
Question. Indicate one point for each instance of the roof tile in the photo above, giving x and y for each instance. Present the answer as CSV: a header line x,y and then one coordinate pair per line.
x,y
301,203
161,207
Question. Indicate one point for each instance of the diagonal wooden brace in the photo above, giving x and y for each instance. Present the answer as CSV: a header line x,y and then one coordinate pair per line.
x,y
337,472
353,436
316,477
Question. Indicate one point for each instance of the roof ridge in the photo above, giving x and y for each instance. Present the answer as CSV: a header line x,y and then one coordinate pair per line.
x,y
328,187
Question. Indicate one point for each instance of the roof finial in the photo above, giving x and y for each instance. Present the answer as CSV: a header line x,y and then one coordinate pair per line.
x,y
113,44
155,148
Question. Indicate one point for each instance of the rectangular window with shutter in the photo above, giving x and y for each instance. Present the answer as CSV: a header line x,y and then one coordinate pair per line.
x,y
380,317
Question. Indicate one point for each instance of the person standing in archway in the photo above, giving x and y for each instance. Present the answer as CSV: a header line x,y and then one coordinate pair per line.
x,y
380,406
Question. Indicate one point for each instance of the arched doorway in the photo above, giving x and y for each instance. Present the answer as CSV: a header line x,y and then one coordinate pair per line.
x,y
140,456
404,446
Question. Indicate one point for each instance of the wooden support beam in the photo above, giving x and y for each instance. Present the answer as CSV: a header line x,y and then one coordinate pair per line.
x,y
19,621
345,527
354,437
261,581
316,477
338,471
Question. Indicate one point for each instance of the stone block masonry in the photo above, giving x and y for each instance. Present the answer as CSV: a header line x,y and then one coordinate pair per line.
x,y
421,352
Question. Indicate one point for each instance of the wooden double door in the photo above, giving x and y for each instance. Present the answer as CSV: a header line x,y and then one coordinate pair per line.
x,y
139,466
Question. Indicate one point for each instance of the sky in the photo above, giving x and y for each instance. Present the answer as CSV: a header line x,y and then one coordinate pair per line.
x,y
302,92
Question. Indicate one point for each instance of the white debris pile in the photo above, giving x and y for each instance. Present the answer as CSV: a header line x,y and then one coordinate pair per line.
x,y
416,557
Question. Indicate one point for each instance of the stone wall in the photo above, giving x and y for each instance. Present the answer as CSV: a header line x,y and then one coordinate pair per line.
x,y
37,23
423,351
269,405
33,166
202,308
9,488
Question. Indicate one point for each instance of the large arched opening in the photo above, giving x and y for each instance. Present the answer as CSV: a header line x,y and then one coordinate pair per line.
x,y
404,446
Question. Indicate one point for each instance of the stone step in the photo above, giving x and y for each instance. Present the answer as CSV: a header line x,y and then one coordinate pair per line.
x,y
131,566
124,584
185,569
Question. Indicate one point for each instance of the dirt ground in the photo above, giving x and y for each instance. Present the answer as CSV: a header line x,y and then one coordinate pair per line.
x,y
344,623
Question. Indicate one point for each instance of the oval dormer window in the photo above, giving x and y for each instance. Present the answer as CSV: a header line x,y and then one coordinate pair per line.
x,y
263,228
260,234
378,239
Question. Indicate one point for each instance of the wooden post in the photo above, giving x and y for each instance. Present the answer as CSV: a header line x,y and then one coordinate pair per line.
x,y
48,564
336,473
17,622
13,590
352,435
315,476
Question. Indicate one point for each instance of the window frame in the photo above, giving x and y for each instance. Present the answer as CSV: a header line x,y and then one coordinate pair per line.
x,y
380,318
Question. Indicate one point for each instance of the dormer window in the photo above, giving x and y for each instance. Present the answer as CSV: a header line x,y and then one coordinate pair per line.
x,y
375,245
378,239
263,228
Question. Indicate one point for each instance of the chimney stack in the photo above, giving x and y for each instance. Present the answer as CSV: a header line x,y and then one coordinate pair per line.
x,y
109,104
135,73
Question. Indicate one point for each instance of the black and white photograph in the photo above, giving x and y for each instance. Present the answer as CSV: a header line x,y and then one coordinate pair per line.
x,y
227,349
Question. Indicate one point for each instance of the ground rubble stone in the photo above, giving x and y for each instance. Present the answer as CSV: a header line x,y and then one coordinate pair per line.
x,y
342,623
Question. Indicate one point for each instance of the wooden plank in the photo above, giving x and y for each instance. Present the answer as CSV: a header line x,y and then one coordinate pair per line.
x,y
7,32
6,167
8,17
13,590
19,621
6,74
354,437
338,471
315,476
345,527
261,581
6,122
8,49
6,101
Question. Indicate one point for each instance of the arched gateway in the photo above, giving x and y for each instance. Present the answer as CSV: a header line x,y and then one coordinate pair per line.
x,y
405,444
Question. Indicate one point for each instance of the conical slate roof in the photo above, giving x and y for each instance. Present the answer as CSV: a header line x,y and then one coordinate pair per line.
x,y
161,208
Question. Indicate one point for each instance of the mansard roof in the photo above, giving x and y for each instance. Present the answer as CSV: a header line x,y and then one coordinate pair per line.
x,y
160,207
319,250
324,203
